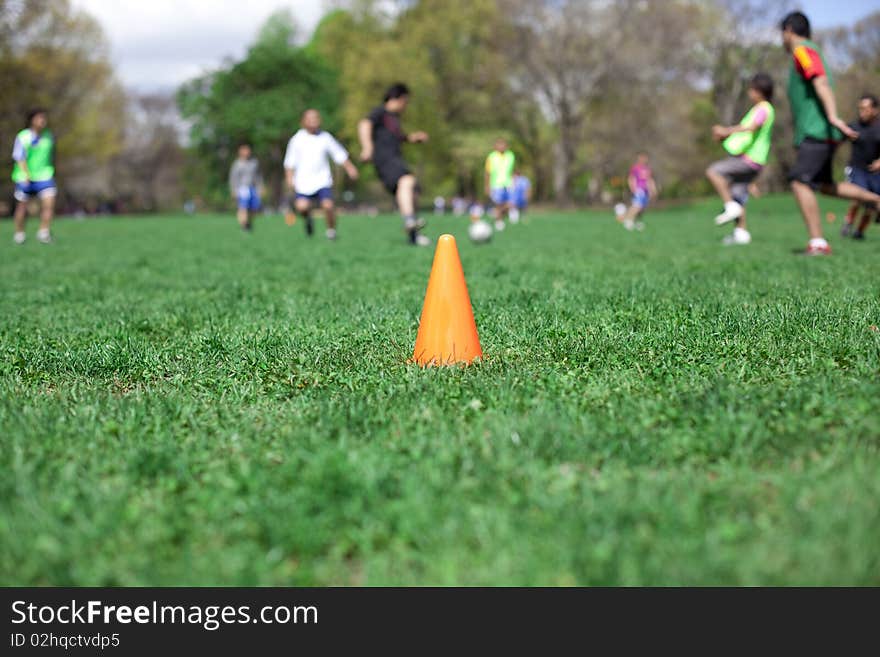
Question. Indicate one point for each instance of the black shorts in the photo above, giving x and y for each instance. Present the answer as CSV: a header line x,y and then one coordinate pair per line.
x,y
390,172
814,162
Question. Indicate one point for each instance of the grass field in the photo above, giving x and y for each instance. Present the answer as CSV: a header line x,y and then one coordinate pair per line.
x,y
181,404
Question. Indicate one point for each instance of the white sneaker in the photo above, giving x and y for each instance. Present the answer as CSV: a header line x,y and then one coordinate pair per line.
x,y
629,224
739,236
499,225
331,234
44,236
413,224
19,238
422,240
732,212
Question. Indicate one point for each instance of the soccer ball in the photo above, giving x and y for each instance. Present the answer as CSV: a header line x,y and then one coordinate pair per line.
x,y
480,232
620,209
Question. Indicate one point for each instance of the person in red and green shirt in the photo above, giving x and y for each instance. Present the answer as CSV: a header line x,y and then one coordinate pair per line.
x,y
817,130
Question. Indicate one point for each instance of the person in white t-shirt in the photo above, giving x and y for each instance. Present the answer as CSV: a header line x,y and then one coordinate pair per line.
x,y
307,168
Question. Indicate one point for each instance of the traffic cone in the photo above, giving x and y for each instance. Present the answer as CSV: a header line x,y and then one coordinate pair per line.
x,y
447,331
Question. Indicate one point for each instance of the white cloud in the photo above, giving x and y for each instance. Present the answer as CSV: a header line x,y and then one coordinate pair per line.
x,y
157,44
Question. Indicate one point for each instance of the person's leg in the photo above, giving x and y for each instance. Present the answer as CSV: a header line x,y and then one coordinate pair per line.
x,y
720,183
20,220
852,192
329,209
406,196
304,207
242,217
809,207
47,212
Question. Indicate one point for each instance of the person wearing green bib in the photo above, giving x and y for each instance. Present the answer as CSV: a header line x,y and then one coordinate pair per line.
x,y
499,180
34,174
748,146
817,130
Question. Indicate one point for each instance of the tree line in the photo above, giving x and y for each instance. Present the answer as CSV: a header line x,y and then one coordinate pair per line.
x,y
576,86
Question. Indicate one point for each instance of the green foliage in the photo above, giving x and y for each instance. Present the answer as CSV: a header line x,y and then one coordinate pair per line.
x,y
259,99
184,404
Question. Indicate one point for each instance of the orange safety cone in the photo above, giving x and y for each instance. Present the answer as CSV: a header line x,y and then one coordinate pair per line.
x,y
447,331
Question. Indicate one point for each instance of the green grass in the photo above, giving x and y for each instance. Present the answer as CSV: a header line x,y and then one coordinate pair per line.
x,y
181,404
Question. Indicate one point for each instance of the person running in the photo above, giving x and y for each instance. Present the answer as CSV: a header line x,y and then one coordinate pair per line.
x,y
817,130
643,189
522,194
499,180
381,136
244,185
864,164
749,147
34,174
307,170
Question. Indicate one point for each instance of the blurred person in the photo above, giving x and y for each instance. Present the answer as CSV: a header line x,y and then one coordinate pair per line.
x,y
499,180
522,194
308,174
818,130
643,189
244,185
439,205
33,173
864,164
381,137
748,146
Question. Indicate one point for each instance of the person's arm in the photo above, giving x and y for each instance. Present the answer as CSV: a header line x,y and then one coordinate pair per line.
x,y
826,95
529,192
417,137
875,166
290,163
340,156
631,181
486,179
19,154
233,179
652,188
365,137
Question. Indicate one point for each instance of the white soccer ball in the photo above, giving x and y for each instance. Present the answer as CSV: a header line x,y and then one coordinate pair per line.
x,y
480,232
620,209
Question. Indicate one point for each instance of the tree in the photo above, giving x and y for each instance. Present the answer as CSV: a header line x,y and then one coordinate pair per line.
x,y
54,56
259,99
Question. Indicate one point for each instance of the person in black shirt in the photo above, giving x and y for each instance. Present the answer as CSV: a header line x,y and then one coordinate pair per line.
x,y
381,137
864,163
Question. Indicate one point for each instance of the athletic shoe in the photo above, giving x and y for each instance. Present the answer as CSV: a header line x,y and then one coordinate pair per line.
x,y
422,240
331,234
858,235
629,224
414,224
310,225
737,237
817,250
846,230
499,226
19,238
44,236
732,212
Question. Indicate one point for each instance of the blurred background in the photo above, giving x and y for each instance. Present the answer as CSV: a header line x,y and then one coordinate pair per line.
x,y
149,100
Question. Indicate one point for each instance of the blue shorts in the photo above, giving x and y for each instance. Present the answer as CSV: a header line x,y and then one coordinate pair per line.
x,y
35,188
500,195
641,198
323,194
865,179
249,199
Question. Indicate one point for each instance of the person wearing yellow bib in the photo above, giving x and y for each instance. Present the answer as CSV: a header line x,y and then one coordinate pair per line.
x,y
748,148
34,174
499,180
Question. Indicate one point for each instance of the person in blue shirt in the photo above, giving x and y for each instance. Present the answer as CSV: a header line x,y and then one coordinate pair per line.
x,y
521,195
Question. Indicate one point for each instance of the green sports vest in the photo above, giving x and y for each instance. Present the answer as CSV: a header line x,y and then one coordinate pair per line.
x,y
38,156
806,108
754,145
500,168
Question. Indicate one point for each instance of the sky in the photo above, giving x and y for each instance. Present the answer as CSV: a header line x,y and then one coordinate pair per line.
x,y
158,44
